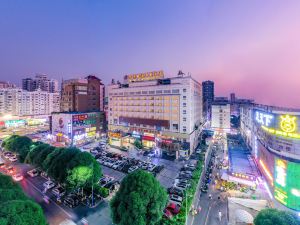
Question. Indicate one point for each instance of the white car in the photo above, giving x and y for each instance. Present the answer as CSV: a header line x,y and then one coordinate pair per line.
x,y
13,159
115,165
132,169
48,184
17,177
151,167
176,198
33,173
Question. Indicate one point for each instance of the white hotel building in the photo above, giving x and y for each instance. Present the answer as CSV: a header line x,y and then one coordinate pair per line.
x,y
158,111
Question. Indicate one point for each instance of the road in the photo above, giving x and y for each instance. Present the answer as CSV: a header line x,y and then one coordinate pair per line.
x,y
210,207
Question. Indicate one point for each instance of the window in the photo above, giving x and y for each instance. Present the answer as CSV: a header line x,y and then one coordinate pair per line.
x,y
184,128
175,126
184,119
184,90
175,91
167,91
184,104
184,97
184,111
158,91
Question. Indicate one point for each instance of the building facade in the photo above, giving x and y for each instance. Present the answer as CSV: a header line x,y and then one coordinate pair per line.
x,y
159,112
40,82
82,95
273,135
18,102
208,94
74,128
4,84
220,116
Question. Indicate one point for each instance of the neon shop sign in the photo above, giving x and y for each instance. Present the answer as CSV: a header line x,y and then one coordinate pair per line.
x,y
263,118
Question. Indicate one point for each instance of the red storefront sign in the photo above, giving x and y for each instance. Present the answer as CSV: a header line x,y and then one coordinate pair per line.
x,y
2,124
148,138
167,141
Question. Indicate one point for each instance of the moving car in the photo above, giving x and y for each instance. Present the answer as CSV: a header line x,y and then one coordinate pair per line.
x,y
167,214
10,169
17,177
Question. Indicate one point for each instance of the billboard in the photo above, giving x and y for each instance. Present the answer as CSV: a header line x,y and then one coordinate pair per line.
x,y
287,183
284,125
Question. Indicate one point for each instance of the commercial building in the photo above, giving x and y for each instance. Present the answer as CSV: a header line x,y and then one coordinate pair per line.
x,y
82,95
220,115
273,134
160,112
18,102
75,128
40,82
208,94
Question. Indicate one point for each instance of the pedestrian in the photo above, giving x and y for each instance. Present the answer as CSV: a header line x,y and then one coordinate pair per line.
x,y
220,215
209,196
199,209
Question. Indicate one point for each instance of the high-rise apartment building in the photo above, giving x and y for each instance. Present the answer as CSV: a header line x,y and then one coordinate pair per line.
x,y
82,95
157,111
40,81
4,84
15,101
208,98
220,115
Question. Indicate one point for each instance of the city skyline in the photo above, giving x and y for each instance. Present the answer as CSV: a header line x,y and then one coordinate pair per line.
x,y
250,47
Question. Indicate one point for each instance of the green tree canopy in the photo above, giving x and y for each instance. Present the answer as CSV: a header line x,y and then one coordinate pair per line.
x,y
139,201
83,171
20,212
18,144
274,216
16,208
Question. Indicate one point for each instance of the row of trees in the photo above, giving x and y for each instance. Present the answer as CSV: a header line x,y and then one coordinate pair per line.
x,y
16,208
67,166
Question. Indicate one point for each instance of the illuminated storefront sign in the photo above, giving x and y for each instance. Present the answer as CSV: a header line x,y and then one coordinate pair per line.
x,y
288,123
281,133
14,123
263,118
145,76
287,185
114,135
280,171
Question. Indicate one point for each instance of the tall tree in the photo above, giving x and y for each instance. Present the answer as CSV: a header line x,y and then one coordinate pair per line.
x,y
274,216
139,201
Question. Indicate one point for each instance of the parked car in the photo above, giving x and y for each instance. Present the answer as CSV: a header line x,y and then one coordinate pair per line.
x,y
132,169
17,177
173,208
175,198
33,173
117,164
151,167
177,191
158,169
71,201
167,214
48,184
13,158
58,191
181,186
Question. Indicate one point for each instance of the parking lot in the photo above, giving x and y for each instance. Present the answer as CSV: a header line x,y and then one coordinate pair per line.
x,y
166,177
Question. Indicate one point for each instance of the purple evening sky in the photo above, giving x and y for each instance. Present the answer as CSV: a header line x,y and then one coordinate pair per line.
x,y
250,47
